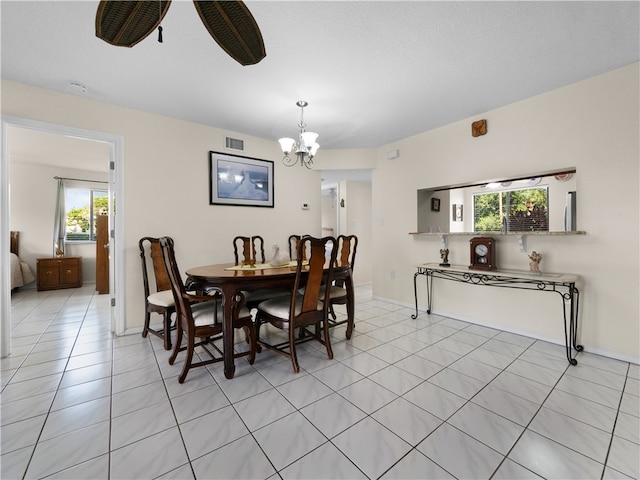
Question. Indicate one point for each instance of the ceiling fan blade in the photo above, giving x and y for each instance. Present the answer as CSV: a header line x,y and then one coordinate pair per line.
x,y
232,26
125,23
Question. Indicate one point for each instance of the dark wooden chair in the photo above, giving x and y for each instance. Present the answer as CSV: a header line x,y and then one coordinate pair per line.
x,y
158,300
293,247
245,248
200,320
338,293
302,307
249,247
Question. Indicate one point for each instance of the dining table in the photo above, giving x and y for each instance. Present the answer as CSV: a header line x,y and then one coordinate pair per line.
x,y
232,279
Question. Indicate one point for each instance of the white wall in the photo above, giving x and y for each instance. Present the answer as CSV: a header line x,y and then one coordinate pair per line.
x,y
592,125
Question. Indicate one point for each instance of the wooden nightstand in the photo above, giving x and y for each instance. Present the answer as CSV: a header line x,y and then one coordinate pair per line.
x,y
59,272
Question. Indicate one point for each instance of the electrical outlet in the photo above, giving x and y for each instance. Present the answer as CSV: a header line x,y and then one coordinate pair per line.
x,y
392,274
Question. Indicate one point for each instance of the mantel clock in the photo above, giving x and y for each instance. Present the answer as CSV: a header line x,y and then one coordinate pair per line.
x,y
483,253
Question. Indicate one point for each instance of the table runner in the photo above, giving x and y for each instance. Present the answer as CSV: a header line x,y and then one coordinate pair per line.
x,y
265,266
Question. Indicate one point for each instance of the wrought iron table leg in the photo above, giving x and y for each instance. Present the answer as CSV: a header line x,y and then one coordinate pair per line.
x,y
574,315
429,291
571,330
415,293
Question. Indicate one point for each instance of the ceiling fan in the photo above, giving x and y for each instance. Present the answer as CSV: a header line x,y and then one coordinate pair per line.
x,y
230,23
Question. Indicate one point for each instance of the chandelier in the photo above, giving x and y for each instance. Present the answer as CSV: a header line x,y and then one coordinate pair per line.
x,y
306,147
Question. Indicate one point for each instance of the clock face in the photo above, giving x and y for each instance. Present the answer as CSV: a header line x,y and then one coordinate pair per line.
x,y
481,250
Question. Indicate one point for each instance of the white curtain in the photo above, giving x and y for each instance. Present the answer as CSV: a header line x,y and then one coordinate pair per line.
x,y
60,223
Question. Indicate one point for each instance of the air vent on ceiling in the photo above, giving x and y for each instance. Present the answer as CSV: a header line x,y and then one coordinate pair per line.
x,y
233,143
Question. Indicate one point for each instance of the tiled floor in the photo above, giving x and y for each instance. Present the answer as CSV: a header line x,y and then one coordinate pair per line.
x,y
428,398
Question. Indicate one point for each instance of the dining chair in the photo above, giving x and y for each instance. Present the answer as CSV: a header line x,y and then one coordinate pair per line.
x,y
245,248
249,247
302,307
200,320
293,247
160,300
338,292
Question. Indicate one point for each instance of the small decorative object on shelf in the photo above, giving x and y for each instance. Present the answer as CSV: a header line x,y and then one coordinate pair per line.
x,y
534,264
444,254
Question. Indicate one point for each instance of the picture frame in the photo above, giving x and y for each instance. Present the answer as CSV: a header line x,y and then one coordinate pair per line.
x,y
240,181
435,204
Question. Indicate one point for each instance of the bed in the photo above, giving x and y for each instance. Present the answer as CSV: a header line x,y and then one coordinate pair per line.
x,y
21,274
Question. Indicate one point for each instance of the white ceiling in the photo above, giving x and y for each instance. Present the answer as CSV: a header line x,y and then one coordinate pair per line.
x,y
373,72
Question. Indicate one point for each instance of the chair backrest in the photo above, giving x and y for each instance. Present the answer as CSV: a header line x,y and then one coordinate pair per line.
x,y
318,272
150,251
294,240
250,247
183,306
180,296
347,246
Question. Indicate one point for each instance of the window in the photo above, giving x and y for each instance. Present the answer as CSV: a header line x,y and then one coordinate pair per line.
x,y
83,205
516,210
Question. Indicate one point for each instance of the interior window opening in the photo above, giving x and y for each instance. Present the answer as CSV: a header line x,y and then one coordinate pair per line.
x,y
516,210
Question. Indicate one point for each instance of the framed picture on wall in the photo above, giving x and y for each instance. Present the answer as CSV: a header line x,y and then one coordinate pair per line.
x,y
237,180
435,204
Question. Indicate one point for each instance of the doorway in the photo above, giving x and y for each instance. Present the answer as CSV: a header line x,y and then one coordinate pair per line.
x,y
116,261
329,210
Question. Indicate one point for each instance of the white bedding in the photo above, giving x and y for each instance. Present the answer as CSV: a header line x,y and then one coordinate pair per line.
x,y
20,272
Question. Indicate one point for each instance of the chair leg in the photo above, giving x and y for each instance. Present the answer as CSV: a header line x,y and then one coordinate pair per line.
x,y
350,315
247,334
176,348
166,323
332,312
251,333
147,321
187,362
327,340
292,350
257,335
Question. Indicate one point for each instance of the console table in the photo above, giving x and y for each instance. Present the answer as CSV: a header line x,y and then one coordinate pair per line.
x,y
562,284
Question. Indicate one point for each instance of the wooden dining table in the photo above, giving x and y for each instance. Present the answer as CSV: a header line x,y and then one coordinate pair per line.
x,y
231,279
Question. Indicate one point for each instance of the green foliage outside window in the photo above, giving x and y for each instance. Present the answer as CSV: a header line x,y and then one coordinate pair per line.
x,y
524,210
81,219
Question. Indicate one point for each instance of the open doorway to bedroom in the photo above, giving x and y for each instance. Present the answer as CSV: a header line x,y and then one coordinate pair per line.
x,y
33,154
37,160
